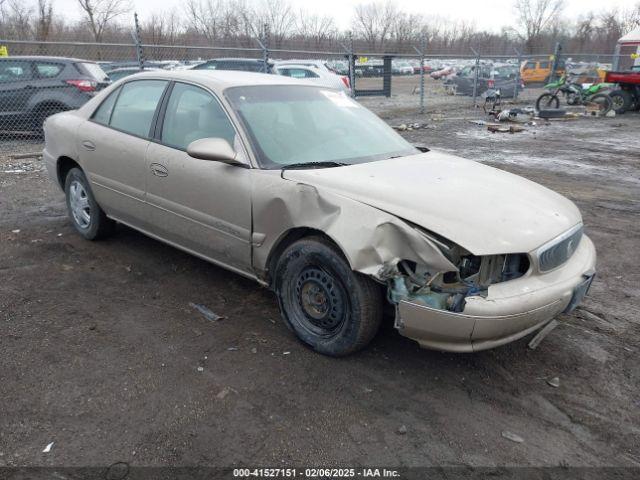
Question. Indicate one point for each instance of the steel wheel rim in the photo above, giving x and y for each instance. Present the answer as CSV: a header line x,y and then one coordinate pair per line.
x,y
79,205
322,302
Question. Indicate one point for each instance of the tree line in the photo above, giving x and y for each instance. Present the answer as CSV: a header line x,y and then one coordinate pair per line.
x,y
375,26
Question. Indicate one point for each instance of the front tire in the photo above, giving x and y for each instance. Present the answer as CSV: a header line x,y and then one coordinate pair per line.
x,y
547,101
86,215
331,308
603,101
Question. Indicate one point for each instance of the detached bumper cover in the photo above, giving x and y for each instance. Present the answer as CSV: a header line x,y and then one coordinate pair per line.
x,y
510,310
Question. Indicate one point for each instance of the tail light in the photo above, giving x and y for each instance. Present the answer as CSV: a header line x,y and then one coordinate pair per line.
x,y
345,80
83,85
491,83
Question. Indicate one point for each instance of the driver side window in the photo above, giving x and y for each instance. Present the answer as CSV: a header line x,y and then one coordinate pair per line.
x,y
193,113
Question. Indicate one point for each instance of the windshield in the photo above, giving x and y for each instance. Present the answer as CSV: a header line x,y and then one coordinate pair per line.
x,y
290,124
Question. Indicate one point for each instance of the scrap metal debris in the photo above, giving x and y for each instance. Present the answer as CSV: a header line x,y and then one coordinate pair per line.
x,y
535,341
47,449
518,115
513,437
206,313
493,128
554,382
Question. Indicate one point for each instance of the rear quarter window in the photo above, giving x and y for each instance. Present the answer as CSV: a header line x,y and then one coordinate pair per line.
x,y
94,70
48,70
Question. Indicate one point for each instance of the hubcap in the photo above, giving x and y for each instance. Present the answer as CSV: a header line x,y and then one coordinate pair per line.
x,y
322,300
79,204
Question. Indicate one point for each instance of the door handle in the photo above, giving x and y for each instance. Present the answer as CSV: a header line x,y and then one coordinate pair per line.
x,y
87,145
159,170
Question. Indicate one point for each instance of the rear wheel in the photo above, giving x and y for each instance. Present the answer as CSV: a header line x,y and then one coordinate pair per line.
x,y
331,308
41,114
621,100
86,215
547,101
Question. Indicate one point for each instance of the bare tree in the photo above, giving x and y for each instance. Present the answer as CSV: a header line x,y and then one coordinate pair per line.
x,y
279,17
17,19
315,30
45,18
534,17
374,21
162,28
100,13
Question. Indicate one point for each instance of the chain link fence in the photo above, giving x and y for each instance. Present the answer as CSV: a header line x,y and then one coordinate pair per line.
x,y
38,79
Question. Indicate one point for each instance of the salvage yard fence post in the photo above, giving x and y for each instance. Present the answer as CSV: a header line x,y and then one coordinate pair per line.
x,y
421,52
264,45
136,39
475,77
518,63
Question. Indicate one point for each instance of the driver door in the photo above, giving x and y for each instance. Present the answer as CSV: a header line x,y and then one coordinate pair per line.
x,y
202,206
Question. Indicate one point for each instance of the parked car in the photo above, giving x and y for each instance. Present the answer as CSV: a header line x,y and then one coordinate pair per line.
x,y
443,72
539,71
312,73
32,88
120,73
371,68
304,190
240,64
495,77
401,67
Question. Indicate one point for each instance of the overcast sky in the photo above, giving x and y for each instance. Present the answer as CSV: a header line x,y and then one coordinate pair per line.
x,y
486,14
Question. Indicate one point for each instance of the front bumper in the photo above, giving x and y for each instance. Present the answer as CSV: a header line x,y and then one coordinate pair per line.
x,y
509,311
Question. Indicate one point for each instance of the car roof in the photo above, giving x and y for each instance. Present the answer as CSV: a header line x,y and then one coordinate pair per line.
x,y
41,58
224,59
220,79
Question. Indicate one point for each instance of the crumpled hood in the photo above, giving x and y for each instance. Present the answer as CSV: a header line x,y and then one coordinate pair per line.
x,y
483,209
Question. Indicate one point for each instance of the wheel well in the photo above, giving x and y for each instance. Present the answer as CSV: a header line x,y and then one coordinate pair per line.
x,y
49,104
63,166
288,239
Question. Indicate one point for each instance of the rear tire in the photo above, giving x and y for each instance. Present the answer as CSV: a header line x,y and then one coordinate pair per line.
x,y
331,308
547,101
41,114
621,100
86,215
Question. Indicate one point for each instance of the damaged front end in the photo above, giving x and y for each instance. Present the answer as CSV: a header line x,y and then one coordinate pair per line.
x,y
448,290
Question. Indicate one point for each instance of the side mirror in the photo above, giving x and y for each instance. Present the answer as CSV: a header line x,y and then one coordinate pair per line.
x,y
214,149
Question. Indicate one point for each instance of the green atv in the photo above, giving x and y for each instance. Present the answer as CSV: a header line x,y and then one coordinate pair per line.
x,y
575,94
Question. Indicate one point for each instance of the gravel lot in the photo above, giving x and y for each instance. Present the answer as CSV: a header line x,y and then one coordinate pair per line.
x,y
102,354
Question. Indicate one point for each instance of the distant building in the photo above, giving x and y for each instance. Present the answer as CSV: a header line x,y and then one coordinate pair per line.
x,y
628,51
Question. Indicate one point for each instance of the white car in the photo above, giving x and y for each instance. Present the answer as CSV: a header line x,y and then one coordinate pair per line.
x,y
313,73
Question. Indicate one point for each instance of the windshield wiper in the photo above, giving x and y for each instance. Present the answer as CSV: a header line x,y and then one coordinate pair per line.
x,y
326,164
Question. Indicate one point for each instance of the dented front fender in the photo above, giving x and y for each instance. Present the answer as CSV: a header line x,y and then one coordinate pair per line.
x,y
370,239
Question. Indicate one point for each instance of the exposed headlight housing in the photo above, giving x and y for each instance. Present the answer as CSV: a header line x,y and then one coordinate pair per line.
x,y
557,251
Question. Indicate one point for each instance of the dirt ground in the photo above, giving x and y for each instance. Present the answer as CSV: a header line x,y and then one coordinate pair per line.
x,y
102,354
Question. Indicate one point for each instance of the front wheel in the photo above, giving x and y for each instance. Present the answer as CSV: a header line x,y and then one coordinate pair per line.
x,y
86,215
547,101
331,308
603,102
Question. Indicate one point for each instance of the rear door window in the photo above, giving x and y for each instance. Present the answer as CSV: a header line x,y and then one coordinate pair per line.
x,y
544,65
14,71
136,105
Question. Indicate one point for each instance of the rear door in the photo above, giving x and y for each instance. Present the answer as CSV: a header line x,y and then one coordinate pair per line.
x,y
16,88
203,206
113,145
